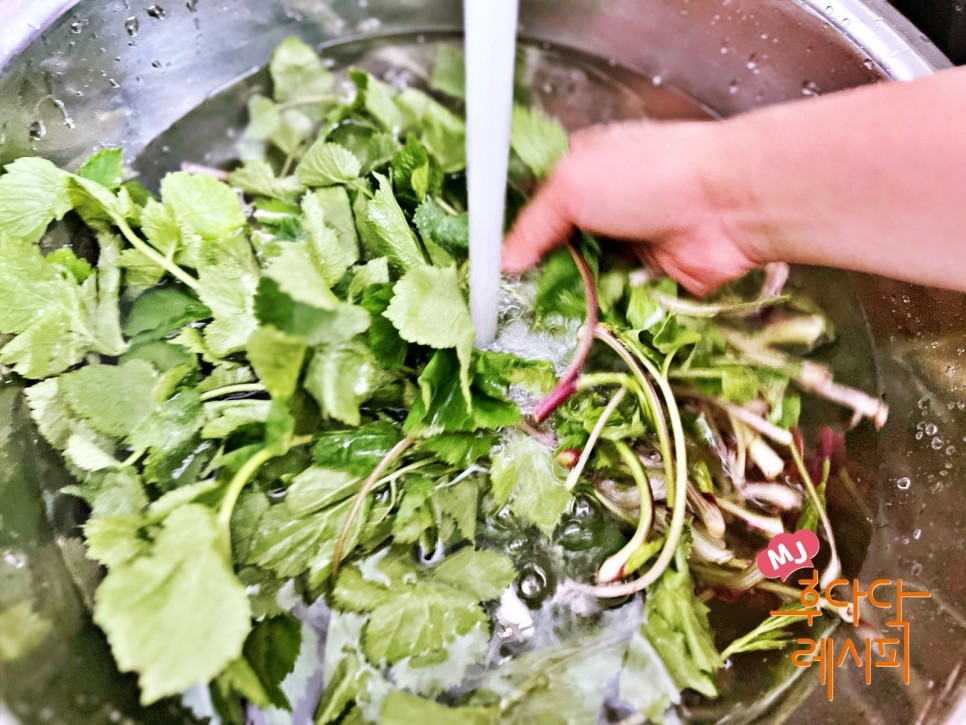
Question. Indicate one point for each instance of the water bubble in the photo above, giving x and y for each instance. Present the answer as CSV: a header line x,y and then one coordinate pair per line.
x,y
904,483
369,25
733,87
156,12
829,10
192,5
38,129
533,584
845,22
584,508
919,435
915,569
155,63
932,429
77,26
131,25
724,50
950,450
114,83
936,443
548,88
657,81
869,64
916,534
752,63
810,88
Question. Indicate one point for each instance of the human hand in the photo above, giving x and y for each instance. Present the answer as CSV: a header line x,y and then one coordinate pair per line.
x,y
645,183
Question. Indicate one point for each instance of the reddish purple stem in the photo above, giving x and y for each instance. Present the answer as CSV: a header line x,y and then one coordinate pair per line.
x,y
567,385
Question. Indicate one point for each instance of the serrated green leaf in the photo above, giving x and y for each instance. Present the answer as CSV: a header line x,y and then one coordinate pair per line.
x,y
316,326
483,574
315,488
340,378
449,71
525,475
358,450
178,615
115,415
450,232
33,193
106,167
202,205
298,276
327,164
163,310
271,649
256,176
298,73
401,708
537,139
428,308
420,618
377,99
277,360
415,173
331,251
385,231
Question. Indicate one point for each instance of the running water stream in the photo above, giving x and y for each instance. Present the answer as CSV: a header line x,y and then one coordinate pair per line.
x,y
491,29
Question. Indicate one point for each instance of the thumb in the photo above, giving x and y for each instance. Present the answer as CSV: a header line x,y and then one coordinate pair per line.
x,y
544,223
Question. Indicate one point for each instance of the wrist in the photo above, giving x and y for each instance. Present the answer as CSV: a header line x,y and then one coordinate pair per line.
x,y
743,214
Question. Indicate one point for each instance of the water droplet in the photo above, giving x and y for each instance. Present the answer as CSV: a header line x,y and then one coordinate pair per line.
x,y
869,64
810,88
950,450
77,26
548,88
936,443
932,429
829,10
584,508
845,22
657,81
916,534
156,12
733,87
155,63
38,129
131,25
915,569
369,25
533,585
724,50
192,5
752,63
904,483
113,83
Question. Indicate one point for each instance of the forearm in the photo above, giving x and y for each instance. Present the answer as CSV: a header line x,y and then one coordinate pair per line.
x,y
872,180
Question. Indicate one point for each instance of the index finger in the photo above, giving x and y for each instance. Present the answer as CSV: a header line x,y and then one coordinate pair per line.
x,y
545,223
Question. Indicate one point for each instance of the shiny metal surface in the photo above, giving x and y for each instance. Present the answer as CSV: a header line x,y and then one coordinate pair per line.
x,y
93,80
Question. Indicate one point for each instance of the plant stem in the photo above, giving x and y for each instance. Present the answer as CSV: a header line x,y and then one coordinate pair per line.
x,y
680,486
367,487
834,566
599,426
566,386
245,474
233,390
689,308
148,251
238,482
615,567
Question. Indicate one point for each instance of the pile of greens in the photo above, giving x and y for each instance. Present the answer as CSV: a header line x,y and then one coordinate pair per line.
x,y
264,385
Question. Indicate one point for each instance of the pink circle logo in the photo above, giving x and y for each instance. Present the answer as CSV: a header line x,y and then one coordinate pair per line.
x,y
787,553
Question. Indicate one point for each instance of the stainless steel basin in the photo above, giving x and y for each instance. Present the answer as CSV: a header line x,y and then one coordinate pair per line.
x,y
77,77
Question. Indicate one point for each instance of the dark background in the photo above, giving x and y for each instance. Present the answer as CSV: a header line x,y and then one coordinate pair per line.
x,y
944,21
